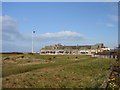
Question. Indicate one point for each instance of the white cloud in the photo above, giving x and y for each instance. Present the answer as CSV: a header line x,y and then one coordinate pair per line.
x,y
62,35
109,25
9,29
11,36
113,17
11,32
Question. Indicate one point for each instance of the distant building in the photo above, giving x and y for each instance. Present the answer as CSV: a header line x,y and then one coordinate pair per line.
x,y
78,49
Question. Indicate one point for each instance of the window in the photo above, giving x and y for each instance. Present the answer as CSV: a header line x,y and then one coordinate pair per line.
x,y
82,52
86,52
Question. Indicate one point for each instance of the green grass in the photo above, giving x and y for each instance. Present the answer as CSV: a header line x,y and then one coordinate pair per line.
x,y
57,71
9,69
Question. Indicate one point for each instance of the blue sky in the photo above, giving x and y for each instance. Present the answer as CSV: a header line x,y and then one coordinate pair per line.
x,y
68,23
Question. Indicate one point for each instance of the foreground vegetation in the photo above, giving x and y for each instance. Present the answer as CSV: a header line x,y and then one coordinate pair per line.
x,y
54,71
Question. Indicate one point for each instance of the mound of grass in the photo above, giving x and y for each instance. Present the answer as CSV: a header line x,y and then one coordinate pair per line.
x,y
85,72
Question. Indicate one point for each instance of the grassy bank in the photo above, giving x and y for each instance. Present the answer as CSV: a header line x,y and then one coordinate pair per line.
x,y
56,71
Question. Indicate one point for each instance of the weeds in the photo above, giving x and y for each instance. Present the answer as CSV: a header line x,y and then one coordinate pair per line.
x,y
65,72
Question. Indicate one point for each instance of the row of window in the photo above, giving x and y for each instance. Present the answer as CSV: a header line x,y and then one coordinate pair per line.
x,y
53,52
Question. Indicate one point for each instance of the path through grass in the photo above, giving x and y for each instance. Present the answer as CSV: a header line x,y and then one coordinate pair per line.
x,y
57,71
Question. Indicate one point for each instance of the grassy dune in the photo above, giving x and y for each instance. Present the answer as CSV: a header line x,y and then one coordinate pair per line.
x,y
54,71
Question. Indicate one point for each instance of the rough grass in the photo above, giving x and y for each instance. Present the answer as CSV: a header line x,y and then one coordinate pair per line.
x,y
59,71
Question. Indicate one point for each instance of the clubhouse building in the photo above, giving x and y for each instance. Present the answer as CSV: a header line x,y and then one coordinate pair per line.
x,y
73,50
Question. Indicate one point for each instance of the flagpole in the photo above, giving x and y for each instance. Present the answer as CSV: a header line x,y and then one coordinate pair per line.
x,y
32,41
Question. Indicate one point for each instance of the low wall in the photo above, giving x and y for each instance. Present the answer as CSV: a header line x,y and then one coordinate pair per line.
x,y
105,56
11,53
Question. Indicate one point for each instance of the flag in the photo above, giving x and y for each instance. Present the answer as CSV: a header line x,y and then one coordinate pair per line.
x,y
33,31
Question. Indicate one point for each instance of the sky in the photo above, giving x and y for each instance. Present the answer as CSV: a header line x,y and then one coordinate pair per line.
x,y
60,0
68,23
